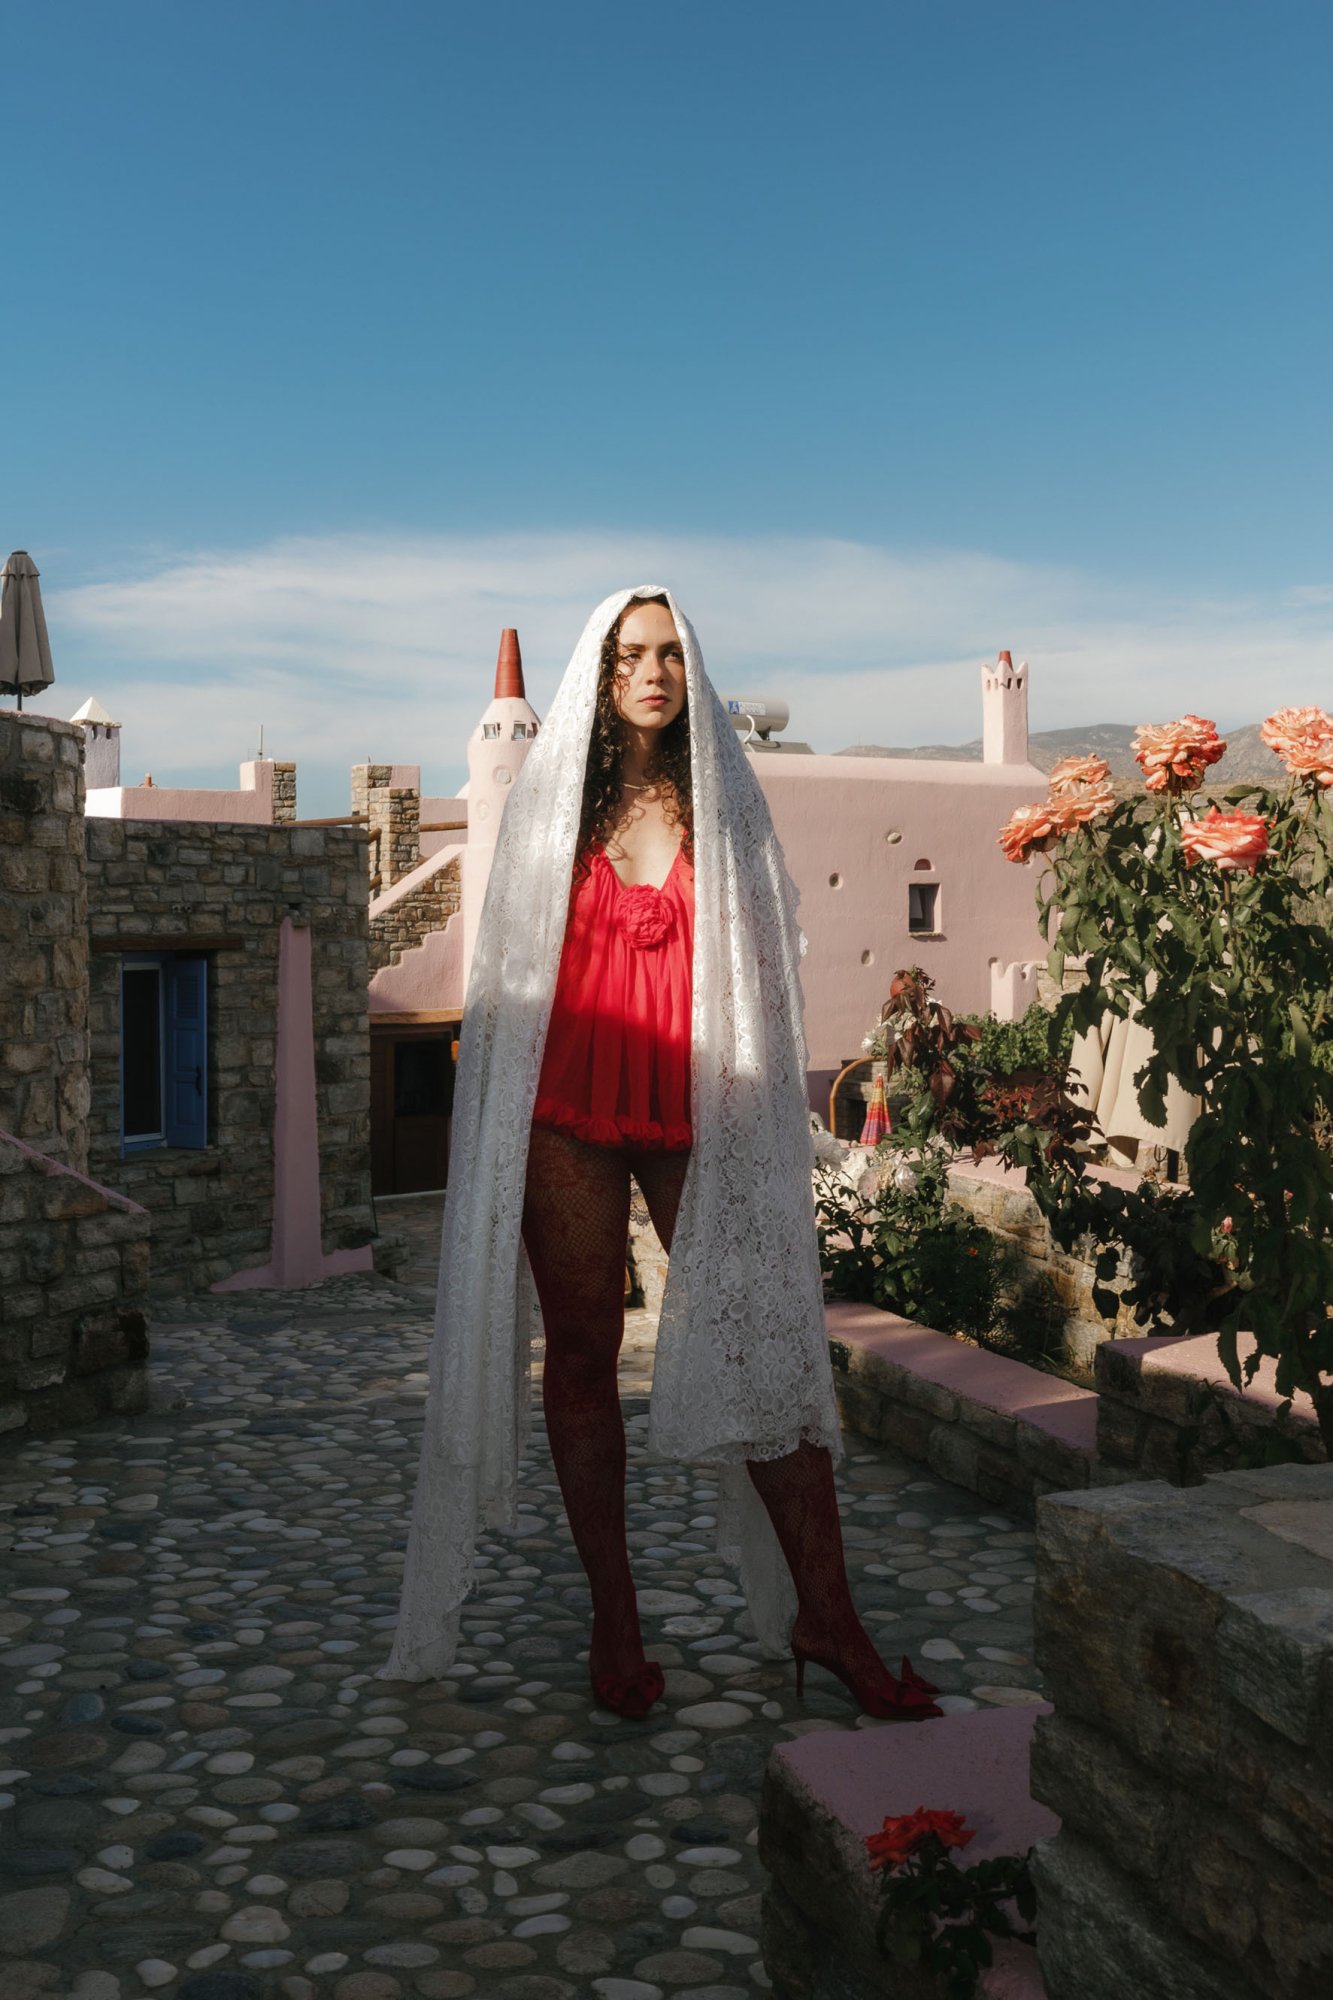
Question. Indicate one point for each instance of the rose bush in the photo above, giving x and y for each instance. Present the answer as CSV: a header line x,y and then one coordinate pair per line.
x,y
938,1915
1216,931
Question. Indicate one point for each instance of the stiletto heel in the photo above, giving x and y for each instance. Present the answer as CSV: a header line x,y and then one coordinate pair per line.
x,y
907,1700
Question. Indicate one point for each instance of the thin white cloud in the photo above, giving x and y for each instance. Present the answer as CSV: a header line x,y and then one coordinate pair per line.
x,y
347,648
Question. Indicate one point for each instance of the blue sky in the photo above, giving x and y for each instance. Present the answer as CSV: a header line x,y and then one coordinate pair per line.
x,y
339,336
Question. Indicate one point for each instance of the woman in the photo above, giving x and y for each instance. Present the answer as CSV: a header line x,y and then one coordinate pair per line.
x,y
634,1006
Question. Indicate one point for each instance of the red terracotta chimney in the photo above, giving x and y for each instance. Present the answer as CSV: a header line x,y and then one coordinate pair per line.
x,y
1006,660
509,668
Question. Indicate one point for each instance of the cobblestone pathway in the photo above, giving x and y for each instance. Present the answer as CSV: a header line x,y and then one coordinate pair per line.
x,y
203,1790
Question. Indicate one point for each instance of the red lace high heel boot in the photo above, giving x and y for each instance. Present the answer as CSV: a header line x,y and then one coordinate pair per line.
x,y
802,1503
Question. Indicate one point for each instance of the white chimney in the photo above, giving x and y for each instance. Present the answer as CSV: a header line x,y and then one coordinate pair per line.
x,y
1004,712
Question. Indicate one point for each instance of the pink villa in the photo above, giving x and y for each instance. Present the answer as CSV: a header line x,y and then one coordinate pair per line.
x,y
895,857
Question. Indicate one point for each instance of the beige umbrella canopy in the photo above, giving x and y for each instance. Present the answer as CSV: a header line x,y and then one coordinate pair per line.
x,y
25,650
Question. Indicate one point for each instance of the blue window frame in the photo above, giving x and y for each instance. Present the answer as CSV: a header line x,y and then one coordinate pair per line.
x,y
163,1051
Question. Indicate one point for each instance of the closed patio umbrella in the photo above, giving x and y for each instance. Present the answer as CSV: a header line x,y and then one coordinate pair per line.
x,y
25,650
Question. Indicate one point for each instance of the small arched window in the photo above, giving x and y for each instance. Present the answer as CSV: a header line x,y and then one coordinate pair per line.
x,y
924,862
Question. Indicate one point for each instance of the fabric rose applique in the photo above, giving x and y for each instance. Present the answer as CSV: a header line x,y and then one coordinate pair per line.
x,y
645,917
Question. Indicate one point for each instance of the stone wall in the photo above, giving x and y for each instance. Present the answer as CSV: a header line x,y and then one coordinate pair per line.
x,y
393,821
1002,1430
73,1274
224,890
409,919
1186,1642
646,1258
1168,1408
43,937
998,1199
284,794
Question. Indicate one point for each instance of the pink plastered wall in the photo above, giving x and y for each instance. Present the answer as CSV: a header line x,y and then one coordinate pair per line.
x,y
297,1256
433,812
835,817
250,805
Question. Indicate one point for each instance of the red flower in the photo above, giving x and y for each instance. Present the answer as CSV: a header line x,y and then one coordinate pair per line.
x,y
898,1839
644,916
1231,841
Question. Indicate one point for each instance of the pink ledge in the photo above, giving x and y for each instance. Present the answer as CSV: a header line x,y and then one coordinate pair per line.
x,y
1001,1175
1197,1359
1011,1388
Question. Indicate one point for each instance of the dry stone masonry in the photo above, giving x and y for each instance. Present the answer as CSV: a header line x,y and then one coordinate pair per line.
x,y
73,1255
284,794
73,1275
43,938
1186,1641
392,816
224,891
412,916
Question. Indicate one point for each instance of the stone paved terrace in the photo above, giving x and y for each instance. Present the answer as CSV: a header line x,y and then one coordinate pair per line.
x,y
203,1790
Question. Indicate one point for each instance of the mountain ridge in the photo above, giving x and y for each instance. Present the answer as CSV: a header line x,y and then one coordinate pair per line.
x,y
1247,755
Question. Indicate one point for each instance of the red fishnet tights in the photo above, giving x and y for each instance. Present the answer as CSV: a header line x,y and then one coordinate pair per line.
x,y
575,1228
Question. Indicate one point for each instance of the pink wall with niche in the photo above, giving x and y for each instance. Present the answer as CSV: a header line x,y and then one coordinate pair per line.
x,y
835,817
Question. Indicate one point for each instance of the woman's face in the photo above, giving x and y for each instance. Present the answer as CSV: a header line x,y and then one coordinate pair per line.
x,y
649,687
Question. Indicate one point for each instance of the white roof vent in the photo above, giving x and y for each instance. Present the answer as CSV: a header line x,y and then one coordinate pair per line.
x,y
93,711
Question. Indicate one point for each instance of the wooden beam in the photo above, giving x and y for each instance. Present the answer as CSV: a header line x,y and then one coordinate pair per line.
x,y
422,1020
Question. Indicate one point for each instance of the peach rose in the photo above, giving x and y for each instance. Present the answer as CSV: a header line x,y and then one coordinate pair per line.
x,y
1079,774
1030,830
1081,791
1175,755
1231,841
1303,739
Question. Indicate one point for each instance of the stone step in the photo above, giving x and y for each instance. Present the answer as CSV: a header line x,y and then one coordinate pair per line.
x,y
828,1790
995,1426
1169,1409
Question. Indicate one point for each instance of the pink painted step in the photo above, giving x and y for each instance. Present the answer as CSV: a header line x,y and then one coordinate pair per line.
x,y
974,1763
1197,1360
1060,1408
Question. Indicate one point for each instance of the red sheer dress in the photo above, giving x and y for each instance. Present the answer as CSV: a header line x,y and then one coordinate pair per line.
x,y
616,1070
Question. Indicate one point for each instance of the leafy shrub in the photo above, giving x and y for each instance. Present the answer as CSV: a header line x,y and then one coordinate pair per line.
x,y
904,1248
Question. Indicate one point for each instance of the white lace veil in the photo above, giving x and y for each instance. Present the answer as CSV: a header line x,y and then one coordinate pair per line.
x,y
742,1368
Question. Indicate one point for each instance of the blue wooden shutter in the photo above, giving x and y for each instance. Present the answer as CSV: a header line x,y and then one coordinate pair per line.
x,y
186,1053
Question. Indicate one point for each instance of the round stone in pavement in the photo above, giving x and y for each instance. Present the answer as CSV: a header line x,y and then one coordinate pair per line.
x,y
31,1918
675,1968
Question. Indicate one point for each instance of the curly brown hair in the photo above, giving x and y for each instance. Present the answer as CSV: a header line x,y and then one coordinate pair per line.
x,y
669,766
